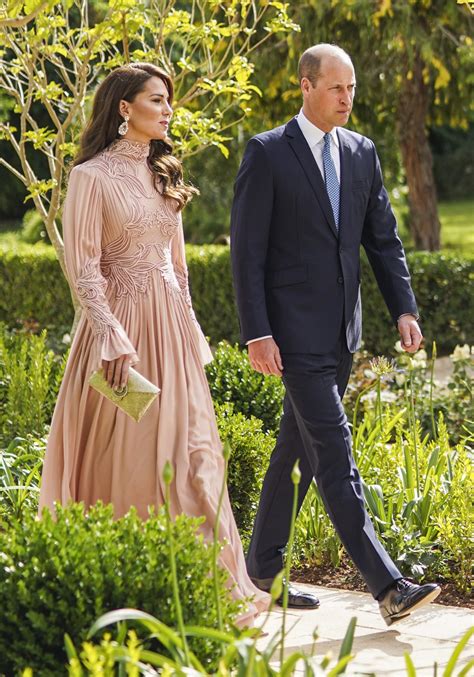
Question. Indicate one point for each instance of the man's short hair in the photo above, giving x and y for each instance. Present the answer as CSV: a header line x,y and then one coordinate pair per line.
x,y
309,65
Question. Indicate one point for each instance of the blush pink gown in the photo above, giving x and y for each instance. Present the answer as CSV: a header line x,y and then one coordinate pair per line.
x,y
124,250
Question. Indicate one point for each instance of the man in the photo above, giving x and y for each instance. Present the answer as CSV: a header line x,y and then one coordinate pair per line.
x,y
307,195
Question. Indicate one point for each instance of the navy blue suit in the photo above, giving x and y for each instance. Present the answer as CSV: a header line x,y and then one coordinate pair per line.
x,y
297,278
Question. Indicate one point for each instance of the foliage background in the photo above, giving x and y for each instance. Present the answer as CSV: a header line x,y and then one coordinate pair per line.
x,y
33,292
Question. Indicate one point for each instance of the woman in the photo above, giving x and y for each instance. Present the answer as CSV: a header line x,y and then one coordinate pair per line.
x,y
124,250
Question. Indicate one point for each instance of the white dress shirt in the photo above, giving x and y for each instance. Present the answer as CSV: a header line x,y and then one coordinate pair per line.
x,y
315,140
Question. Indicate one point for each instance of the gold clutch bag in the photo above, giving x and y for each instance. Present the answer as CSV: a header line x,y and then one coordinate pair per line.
x,y
134,399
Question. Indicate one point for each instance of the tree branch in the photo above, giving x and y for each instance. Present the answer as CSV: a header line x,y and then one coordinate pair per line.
x,y
23,20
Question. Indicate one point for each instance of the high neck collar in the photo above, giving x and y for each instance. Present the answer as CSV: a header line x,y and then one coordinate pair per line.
x,y
135,150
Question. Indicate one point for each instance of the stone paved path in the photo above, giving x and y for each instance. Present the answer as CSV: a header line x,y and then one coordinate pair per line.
x,y
428,636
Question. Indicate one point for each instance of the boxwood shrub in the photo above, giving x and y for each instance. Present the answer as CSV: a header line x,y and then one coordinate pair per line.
x,y
30,377
444,288
232,379
60,576
32,287
250,453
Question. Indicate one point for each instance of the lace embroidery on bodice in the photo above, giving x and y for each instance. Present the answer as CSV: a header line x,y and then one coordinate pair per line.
x,y
126,161
148,226
164,218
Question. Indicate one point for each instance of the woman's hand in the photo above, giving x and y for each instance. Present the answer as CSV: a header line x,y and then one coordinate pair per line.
x,y
116,371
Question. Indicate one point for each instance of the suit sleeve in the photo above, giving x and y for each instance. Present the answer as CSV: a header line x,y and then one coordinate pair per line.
x,y
250,227
385,250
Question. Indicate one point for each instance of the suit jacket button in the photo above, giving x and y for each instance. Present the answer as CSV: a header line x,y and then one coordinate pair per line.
x,y
340,279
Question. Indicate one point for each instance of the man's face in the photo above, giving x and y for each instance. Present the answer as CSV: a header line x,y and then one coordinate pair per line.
x,y
329,103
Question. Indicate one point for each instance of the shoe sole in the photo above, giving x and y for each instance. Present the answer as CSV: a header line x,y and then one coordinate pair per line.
x,y
300,606
427,599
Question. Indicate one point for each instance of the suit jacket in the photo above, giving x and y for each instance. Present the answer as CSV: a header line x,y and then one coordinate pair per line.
x,y
296,276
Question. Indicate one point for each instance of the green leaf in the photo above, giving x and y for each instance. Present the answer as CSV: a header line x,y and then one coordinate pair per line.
x,y
448,671
288,666
410,667
467,669
346,646
69,646
340,667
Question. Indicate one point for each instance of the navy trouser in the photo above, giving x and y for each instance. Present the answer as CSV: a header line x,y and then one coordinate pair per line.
x,y
314,428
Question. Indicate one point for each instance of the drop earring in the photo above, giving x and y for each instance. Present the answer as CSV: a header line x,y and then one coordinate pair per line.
x,y
123,129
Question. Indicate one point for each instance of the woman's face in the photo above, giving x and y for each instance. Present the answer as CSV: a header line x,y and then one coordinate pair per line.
x,y
149,113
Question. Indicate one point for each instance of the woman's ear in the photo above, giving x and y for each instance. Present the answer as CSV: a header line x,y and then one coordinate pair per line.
x,y
124,108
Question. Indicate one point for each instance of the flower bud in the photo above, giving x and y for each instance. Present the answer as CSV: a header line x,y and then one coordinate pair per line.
x,y
168,473
296,473
226,450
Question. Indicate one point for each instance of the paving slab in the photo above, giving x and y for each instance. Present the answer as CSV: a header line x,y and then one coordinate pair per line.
x,y
429,635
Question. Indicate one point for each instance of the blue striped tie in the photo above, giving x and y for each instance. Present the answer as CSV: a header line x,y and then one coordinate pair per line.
x,y
330,176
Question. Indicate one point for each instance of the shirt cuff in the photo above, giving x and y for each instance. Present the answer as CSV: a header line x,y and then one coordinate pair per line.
x,y
416,316
260,338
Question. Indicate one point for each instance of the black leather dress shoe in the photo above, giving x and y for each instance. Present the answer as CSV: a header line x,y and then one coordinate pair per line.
x,y
297,599
404,597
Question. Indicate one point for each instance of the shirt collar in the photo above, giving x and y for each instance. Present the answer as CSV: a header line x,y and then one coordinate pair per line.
x,y
313,134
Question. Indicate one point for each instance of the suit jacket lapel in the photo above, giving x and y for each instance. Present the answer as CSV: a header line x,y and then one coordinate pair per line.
x,y
345,154
306,159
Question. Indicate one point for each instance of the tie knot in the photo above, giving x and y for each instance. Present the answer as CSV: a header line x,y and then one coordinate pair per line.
x,y
327,139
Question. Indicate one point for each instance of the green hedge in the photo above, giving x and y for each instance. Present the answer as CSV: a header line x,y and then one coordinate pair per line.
x,y
444,288
250,451
232,380
60,576
30,377
32,287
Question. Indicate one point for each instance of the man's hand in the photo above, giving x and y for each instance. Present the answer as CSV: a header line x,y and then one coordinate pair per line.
x,y
264,356
116,371
410,333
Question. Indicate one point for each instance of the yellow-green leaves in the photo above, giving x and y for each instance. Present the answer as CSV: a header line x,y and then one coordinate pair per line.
x,y
385,8
443,77
39,137
192,131
6,130
40,188
52,91
281,22
52,61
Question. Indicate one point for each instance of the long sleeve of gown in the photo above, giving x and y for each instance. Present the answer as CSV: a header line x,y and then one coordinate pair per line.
x,y
178,254
82,230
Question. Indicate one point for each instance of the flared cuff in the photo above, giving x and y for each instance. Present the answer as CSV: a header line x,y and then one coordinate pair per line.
x,y
202,346
204,350
113,344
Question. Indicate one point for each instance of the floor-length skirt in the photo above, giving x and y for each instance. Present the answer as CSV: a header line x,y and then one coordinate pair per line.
x,y
95,451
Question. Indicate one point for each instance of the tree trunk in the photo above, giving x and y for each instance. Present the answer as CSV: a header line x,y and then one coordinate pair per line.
x,y
417,160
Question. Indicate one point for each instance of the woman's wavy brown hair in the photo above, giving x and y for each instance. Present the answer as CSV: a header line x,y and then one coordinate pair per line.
x,y
102,129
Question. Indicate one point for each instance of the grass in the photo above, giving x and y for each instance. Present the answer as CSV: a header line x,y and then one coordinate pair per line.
x,y
457,227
